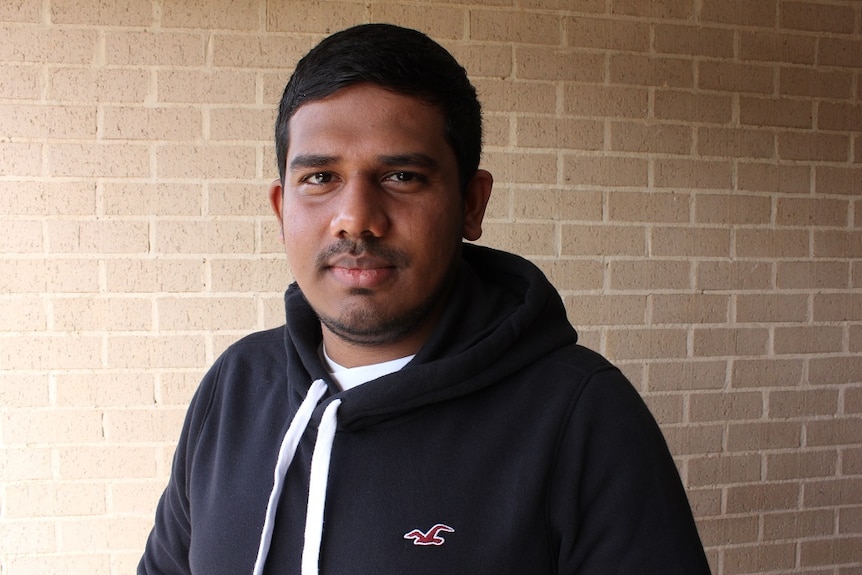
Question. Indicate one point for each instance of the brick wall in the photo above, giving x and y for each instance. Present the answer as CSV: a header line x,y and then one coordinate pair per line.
x,y
688,172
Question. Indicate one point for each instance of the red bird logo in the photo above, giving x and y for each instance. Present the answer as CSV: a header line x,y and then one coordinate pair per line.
x,y
430,538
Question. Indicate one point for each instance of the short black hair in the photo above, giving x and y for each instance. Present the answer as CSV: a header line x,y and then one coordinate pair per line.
x,y
398,59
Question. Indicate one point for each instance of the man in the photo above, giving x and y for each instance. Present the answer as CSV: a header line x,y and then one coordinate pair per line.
x,y
426,408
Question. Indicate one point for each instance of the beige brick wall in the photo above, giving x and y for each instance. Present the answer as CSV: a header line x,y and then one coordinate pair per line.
x,y
689,173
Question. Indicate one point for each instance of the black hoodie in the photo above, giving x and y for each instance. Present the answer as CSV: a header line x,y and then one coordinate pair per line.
x,y
503,447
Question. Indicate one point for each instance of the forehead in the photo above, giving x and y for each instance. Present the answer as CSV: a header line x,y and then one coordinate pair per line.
x,y
370,114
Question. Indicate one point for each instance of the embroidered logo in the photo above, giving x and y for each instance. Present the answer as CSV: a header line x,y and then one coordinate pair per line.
x,y
430,538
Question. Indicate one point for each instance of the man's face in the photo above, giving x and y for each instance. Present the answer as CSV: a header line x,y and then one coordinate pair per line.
x,y
372,215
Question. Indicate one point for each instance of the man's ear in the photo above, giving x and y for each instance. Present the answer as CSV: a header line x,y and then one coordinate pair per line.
x,y
476,198
276,200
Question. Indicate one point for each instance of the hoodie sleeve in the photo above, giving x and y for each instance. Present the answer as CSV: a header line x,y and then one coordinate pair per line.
x,y
617,504
167,548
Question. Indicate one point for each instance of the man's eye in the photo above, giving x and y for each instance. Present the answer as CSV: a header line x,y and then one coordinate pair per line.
x,y
405,177
319,178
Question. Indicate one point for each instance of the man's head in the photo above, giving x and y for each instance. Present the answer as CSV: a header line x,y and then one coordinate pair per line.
x,y
397,59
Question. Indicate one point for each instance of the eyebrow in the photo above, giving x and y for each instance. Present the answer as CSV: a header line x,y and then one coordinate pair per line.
x,y
418,159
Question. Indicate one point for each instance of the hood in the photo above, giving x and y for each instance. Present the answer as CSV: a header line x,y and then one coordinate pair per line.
x,y
503,315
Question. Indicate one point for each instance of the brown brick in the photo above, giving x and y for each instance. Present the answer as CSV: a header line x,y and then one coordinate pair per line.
x,y
832,307
795,525
152,199
812,275
485,60
25,463
497,131
693,439
725,406
763,497
785,179
574,274
42,198
28,536
50,426
801,465
128,425
748,373
808,339
602,240
846,550
177,388
839,116
760,558
241,124
646,343
516,97
206,313
687,173
692,242
732,209
688,375
21,12
765,308
802,403
694,41
533,168
815,83
742,12
769,46
525,239
669,207
101,314
850,520
733,77
704,502
22,237
781,112
103,389
728,531
216,87
309,16
643,70
735,142
582,7
99,160
724,275
605,101
771,243
558,64
66,351
840,52
93,85
233,15
666,9
20,159
817,17
560,133
24,389
838,431
155,48
139,351
607,34
195,162
48,45
838,180
716,342
651,138
851,464
49,122
521,27
76,237
837,244
152,124
252,275
832,492
650,274
556,204
605,170
834,371
812,212
49,276
761,436
689,309
124,13
813,146
154,275
21,82
722,469
607,309
204,236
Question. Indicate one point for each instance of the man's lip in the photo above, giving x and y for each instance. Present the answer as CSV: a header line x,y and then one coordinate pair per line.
x,y
362,263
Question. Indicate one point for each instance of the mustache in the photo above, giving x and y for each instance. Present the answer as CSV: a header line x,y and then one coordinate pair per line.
x,y
368,247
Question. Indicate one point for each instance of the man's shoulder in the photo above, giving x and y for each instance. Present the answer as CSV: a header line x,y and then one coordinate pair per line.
x,y
255,347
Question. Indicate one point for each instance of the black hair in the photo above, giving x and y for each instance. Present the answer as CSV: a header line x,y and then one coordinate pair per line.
x,y
398,59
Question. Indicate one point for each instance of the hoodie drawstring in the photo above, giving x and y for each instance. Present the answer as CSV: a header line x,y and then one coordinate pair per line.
x,y
317,481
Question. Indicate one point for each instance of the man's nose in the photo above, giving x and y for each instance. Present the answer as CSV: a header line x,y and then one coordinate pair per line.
x,y
360,210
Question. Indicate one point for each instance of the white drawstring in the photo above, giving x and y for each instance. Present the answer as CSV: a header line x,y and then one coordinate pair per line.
x,y
285,457
317,489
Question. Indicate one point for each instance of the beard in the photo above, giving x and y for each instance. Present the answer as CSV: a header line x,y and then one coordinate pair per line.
x,y
360,323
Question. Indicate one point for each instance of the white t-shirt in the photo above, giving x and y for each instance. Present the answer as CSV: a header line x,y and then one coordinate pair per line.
x,y
350,377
